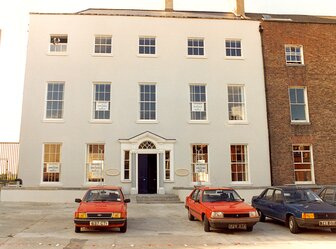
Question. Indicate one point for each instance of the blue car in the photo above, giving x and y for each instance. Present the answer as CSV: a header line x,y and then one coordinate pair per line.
x,y
296,207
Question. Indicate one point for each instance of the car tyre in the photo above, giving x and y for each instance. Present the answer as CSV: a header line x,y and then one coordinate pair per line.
x,y
123,229
292,224
249,228
206,224
333,230
262,217
77,229
190,216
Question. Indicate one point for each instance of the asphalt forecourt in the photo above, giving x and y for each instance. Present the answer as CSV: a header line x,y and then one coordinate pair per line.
x,y
159,226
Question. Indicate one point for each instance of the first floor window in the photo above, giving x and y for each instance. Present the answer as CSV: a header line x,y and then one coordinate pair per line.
x,y
294,54
236,102
200,162
55,100
95,162
196,46
198,108
101,101
51,162
302,159
167,165
239,165
127,165
147,45
233,48
103,44
298,104
147,102
58,43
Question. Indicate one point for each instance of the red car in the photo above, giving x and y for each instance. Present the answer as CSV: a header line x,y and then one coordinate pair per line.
x,y
102,207
220,208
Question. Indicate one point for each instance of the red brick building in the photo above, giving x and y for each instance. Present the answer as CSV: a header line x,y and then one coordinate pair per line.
x,y
300,75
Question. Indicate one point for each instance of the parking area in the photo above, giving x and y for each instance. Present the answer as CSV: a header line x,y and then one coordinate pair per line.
x,y
159,226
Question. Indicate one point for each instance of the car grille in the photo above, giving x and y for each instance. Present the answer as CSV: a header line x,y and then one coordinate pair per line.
x,y
99,215
325,216
236,215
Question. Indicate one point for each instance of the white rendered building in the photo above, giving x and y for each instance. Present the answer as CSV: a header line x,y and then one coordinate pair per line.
x,y
153,101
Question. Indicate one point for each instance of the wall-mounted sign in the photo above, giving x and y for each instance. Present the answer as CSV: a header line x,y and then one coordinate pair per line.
x,y
53,168
112,172
102,106
197,107
95,170
182,172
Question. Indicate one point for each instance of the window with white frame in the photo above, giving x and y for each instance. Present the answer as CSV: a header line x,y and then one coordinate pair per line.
x,y
103,44
198,105
233,48
51,162
147,101
54,100
302,160
101,101
199,162
95,162
236,102
294,54
298,104
127,175
58,43
147,45
167,165
195,46
239,163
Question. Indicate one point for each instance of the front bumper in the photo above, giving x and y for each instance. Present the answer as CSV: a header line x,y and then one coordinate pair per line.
x,y
225,222
111,222
315,223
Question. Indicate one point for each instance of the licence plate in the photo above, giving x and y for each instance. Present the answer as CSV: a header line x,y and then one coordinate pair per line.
x,y
326,223
237,226
99,223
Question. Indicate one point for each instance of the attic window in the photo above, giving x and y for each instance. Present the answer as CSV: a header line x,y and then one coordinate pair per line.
x,y
58,43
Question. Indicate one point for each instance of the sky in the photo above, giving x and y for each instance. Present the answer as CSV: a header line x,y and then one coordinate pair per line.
x,y
14,20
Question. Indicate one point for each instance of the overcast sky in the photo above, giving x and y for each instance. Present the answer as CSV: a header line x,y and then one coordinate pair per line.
x,y
14,20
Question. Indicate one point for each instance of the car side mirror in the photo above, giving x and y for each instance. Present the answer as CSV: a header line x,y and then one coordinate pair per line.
x,y
127,200
78,200
197,200
242,199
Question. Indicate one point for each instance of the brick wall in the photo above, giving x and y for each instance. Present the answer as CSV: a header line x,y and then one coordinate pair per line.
x,y
318,75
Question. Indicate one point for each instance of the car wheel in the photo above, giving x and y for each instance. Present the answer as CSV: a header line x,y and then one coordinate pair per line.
x,y
333,230
77,229
249,228
292,224
123,229
262,217
206,224
190,216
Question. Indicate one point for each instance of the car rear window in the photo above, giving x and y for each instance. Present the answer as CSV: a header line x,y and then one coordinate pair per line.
x,y
109,195
219,195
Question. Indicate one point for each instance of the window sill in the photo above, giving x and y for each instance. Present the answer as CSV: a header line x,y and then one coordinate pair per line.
x,y
240,184
168,181
126,181
57,53
300,123
294,65
147,122
100,121
102,55
199,122
305,183
232,122
147,55
56,121
51,184
196,57
234,58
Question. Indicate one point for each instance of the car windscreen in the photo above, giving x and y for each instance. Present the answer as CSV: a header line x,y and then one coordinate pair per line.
x,y
219,195
301,195
108,195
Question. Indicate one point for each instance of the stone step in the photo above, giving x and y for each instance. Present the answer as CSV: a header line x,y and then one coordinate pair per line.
x,y
155,198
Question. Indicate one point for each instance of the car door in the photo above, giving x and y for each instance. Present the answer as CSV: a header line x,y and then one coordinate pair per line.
x,y
277,206
194,203
263,203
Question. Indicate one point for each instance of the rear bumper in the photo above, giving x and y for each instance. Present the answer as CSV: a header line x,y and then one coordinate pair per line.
x,y
225,222
315,223
111,222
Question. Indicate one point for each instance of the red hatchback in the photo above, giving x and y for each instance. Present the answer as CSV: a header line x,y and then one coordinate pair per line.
x,y
102,207
220,208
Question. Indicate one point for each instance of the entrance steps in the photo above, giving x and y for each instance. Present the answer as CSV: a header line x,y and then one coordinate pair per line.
x,y
157,199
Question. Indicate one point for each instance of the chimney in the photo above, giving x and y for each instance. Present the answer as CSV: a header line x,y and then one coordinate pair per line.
x,y
239,9
169,5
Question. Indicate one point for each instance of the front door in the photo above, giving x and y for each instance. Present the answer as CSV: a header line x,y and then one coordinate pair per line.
x,y
147,174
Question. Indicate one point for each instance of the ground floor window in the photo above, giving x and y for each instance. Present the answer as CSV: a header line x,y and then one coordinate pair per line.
x,y
167,165
95,162
127,165
302,160
239,163
51,162
200,162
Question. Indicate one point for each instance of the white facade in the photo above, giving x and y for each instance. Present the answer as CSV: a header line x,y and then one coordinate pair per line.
x,y
172,72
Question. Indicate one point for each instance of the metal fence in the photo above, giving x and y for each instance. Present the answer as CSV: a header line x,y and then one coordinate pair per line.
x,y
9,161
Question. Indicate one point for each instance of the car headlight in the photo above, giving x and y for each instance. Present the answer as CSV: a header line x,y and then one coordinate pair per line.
x,y
253,214
81,215
217,215
308,216
116,215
